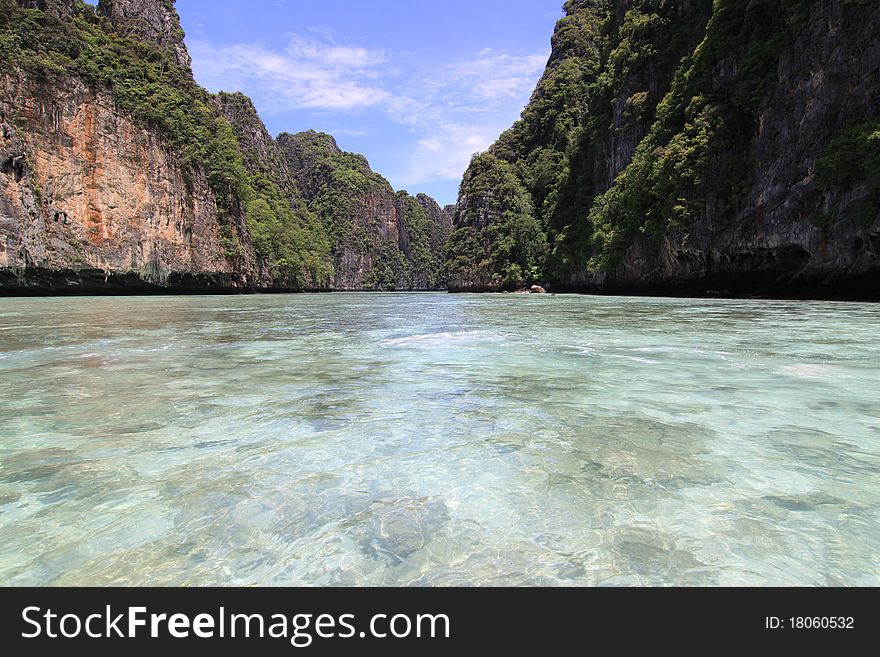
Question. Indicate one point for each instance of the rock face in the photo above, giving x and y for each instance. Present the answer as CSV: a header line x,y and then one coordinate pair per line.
x,y
790,233
424,231
155,21
381,240
90,202
61,9
698,147
257,146
589,111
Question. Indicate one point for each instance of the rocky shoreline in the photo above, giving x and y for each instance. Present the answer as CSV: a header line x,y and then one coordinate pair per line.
x,y
93,282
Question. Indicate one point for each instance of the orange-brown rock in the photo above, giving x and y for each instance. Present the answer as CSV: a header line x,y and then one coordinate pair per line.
x,y
84,189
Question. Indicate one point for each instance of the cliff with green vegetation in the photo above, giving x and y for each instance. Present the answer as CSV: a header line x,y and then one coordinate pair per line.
x,y
283,229
380,240
154,22
688,147
119,173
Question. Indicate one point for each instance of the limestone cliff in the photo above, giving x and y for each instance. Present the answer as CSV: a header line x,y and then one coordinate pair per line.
x,y
281,224
381,240
788,229
693,147
101,188
155,21
91,200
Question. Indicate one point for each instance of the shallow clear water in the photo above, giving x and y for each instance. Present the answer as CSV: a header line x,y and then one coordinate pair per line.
x,y
438,440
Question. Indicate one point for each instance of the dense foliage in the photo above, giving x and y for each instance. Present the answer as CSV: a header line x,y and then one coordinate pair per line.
x,y
426,239
696,149
338,185
602,86
853,159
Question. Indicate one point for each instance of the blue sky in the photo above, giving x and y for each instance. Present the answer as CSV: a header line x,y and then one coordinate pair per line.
x,y
417,86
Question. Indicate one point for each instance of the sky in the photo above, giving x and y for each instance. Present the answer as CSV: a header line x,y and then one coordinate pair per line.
x,y
418,86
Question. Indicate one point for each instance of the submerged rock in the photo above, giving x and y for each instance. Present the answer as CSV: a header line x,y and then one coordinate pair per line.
x,y
398,528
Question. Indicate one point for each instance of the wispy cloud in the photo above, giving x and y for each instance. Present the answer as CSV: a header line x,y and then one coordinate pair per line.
x,y
461,108
311,73
449,112
485,79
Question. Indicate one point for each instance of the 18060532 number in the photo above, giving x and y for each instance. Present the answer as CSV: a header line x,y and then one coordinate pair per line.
x,y
822,623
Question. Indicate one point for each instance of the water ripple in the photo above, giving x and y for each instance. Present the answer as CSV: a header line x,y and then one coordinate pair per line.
x,y
435,440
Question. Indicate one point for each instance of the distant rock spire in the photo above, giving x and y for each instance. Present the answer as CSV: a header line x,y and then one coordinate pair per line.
x,y
150,20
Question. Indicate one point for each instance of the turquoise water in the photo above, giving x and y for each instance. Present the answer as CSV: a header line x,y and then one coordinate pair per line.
x,y
438,440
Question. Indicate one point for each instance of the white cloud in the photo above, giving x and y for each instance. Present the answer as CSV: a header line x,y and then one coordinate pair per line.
x,y
331,55
308,74
451,111
490,76
445,153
